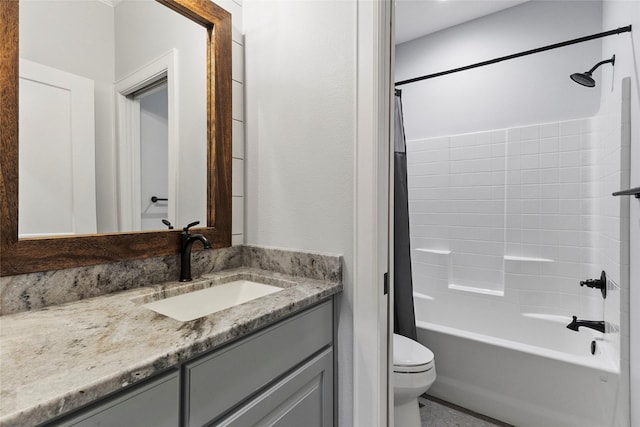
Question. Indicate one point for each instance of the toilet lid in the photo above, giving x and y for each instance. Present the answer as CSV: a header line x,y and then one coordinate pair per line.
x,y
408,353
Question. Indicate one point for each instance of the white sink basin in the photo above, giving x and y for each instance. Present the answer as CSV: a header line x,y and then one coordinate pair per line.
x,y
200,303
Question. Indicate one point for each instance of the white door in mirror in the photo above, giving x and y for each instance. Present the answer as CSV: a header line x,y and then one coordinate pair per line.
x,y
200,303
57,194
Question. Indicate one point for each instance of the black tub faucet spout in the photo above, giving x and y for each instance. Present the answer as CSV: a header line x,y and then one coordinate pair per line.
x,y
186,242
597,325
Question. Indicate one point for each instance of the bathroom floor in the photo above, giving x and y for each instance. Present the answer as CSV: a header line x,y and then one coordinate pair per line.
x,y
438,413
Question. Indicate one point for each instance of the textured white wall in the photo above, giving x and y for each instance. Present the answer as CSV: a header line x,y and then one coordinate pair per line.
x,y
527,90
300,131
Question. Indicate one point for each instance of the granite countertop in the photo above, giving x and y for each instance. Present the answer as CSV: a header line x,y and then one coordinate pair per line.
x,y
59,358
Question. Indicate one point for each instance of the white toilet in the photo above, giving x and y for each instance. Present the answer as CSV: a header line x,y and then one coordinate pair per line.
x,y
414,371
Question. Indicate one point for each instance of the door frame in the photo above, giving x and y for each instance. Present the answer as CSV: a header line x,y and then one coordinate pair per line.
x,y
128,136
372,324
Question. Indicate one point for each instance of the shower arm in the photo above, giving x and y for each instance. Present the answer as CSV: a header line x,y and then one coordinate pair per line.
x,y
606,61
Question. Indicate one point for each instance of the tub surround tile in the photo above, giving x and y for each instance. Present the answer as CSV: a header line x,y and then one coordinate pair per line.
x,y
86,349
551,200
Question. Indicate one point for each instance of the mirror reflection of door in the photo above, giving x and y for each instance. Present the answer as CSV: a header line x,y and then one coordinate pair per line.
x,y
154,156
56,152
147,145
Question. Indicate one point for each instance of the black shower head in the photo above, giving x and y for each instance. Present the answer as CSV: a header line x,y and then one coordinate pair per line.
x,y
586,79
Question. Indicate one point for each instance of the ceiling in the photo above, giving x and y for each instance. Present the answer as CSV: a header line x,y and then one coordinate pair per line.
x,y
417,18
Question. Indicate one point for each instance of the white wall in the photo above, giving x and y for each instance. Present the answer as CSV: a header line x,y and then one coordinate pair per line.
x,y
627,50
527,90
300,110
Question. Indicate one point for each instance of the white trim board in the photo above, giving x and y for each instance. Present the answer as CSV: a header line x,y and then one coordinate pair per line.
x,y
371,216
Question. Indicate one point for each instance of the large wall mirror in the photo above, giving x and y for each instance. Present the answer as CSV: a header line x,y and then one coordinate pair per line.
x,y
115,123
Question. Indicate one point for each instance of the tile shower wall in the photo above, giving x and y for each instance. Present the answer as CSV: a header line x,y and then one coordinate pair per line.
x,y
508,214
456,205
550,218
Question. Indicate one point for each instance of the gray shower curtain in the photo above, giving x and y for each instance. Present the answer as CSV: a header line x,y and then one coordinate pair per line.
x,y
404,316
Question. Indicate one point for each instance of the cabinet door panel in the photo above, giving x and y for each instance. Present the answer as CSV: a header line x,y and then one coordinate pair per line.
x,y
302,398
154,404
217,383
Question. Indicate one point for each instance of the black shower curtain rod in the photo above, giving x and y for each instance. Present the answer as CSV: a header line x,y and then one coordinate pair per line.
x,y
517,55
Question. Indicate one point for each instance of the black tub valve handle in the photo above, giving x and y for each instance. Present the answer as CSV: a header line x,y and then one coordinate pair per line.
x,y
600,283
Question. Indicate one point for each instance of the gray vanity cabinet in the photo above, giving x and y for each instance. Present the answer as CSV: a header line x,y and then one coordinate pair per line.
x,y
155,403
281,376
291,361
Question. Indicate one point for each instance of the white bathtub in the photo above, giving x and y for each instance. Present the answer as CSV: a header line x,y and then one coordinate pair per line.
x,y
537,374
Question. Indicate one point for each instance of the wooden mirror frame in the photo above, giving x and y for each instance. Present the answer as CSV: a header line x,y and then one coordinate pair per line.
x,y
19,256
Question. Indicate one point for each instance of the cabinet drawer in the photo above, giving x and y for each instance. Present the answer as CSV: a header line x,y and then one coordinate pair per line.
x,y
153,404
217,383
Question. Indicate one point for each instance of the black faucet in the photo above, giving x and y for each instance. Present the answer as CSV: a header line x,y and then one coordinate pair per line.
x,y
186,242
598,325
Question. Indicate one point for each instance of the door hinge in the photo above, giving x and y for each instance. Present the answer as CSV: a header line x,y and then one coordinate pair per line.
x,y
386,283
